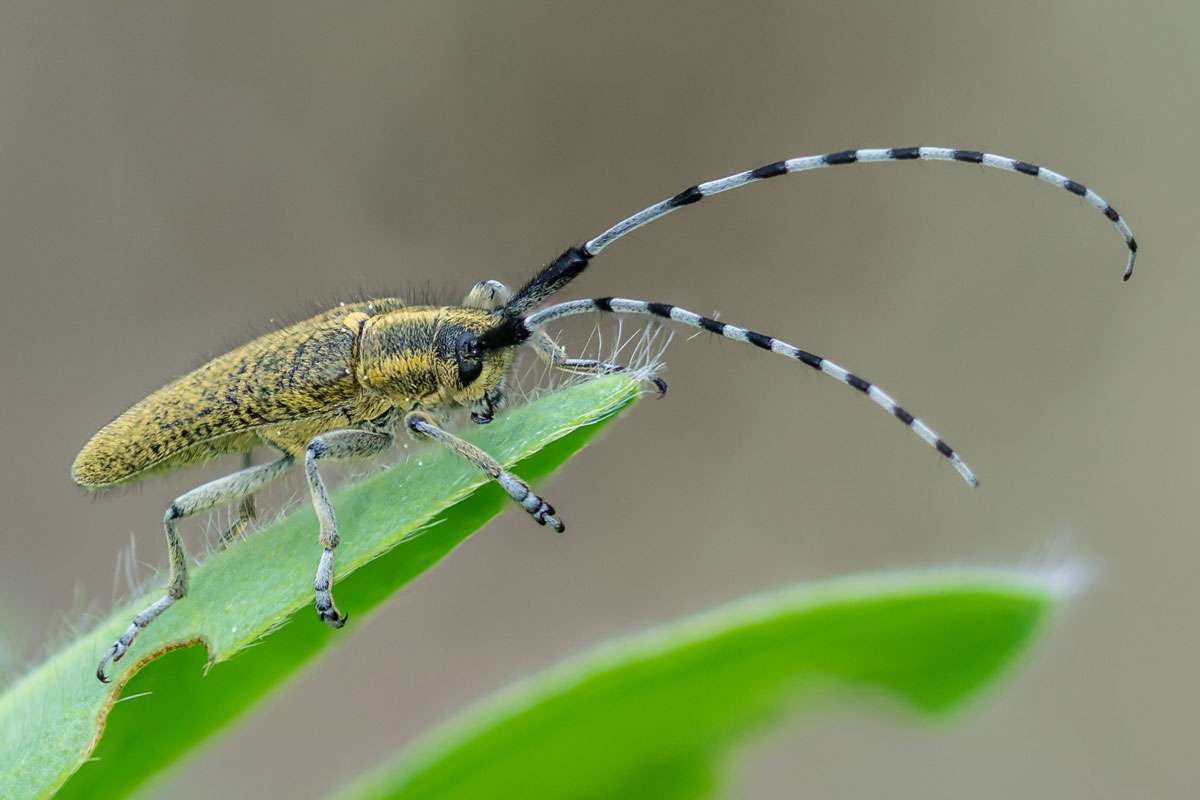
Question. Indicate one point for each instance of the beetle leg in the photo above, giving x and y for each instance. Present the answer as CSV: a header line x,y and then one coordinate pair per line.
x,y
424,427
554,355
247,513
223,490
345,443
484,409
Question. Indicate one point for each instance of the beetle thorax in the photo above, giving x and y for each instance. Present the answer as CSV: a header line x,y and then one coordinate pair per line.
x,y
413,355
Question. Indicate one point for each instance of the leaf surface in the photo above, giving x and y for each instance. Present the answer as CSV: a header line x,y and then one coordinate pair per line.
x,y
657,714
247,624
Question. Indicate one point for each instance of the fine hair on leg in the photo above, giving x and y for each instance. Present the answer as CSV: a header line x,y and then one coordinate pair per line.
x,y
556,357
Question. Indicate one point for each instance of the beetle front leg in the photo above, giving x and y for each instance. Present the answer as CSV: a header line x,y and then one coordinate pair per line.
x,y
347,443
423,426
554,355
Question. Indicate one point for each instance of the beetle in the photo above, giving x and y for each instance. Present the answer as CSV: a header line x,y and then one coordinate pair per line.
x,y
341,384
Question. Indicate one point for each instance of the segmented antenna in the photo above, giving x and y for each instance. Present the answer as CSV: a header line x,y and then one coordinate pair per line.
x,y
695,193
523,328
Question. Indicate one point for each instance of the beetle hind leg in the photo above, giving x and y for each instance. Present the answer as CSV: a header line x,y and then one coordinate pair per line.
x,y
240,484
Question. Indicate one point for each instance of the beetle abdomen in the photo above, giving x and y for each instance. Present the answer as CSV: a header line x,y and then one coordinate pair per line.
x,y
292,374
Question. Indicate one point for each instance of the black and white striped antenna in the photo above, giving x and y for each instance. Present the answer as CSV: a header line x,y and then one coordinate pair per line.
x,y
620,305
517,327
793,165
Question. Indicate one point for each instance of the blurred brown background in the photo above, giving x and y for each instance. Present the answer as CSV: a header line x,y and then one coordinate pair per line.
x,y
176,175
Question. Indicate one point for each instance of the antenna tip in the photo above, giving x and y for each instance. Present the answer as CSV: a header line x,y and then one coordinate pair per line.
x,y
967,474
1132,258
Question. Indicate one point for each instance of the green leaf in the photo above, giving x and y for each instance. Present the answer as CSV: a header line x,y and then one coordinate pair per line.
x,y
655,715
259,593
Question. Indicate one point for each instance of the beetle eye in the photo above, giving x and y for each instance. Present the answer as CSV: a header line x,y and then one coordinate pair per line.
x,y
469,356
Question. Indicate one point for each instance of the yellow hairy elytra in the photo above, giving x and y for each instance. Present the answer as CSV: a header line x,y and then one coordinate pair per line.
x,y
289,385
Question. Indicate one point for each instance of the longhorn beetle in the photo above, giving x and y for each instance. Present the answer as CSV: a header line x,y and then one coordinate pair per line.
x,y
340,384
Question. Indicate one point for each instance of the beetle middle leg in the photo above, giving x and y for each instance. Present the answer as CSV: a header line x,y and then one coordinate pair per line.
x,y
423,426
339,444
240,484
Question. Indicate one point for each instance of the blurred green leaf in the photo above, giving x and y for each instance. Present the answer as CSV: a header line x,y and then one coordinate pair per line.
x,y
252,604
655,715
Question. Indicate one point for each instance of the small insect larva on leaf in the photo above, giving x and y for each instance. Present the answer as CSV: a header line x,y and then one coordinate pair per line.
x,y
341,384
